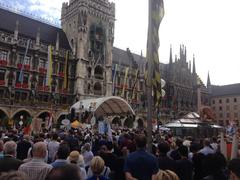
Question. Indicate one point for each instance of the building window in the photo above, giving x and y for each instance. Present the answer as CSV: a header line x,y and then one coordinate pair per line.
x,y
2,74
220,108
42,63
235,115
214,108
141,86
3,55
228,115
235,99
40,80
220,115
21,59
60,84
227,100
61,68
235,107
213,101
220,101
25,78
227,108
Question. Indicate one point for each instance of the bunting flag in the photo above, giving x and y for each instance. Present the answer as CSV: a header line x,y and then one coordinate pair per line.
x,y
114,78
66,71
156,16
49,68
125,81
134,84
20,78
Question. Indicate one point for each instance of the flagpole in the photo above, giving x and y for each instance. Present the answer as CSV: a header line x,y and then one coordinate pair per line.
x,y
149,79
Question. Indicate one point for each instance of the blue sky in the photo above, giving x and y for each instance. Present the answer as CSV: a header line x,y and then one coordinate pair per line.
x,y
209,28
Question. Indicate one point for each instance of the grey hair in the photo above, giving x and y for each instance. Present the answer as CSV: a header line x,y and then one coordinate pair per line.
x,y
10,147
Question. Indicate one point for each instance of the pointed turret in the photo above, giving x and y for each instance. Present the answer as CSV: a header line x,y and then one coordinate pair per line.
x,y
208,81
16,31
38,37
170,58
190,66
194,68
57,42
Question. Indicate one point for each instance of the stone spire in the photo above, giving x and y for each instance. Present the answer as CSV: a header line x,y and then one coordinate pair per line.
x,y
57,42
208,81
194,67
38,37
170,58
16,31
190,66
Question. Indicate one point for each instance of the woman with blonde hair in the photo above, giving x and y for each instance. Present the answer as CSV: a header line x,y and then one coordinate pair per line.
x,y
166,175
98,170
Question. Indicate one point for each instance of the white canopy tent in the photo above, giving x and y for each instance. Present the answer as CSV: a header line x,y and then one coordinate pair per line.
x,y
105,106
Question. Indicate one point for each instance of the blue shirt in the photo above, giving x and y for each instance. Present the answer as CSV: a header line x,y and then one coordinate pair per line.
x,y
100,178
59,163
141,164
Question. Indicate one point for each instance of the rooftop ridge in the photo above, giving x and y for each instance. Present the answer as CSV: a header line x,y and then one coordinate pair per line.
x,y
29,15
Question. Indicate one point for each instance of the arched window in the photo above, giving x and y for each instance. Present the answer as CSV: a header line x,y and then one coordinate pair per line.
x,y
97,88
98,72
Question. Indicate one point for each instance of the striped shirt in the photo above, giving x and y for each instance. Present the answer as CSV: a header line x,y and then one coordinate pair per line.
x,y
36,169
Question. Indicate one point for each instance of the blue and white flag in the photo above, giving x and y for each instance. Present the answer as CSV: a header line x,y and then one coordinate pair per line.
x,y
20,78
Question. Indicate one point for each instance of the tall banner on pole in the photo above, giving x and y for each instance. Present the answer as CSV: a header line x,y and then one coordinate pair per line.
x,y
125,81
153,78
49,69
66,71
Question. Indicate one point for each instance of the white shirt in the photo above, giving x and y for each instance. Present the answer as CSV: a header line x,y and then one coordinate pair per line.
x,y
52,149
206,150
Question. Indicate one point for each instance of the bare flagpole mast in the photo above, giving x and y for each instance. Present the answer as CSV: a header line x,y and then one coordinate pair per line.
x,y
149,78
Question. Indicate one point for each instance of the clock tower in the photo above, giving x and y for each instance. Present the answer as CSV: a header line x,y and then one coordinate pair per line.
x,y
89,26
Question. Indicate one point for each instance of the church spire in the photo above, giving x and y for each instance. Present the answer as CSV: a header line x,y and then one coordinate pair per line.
x,y
208,81
194,67
170,58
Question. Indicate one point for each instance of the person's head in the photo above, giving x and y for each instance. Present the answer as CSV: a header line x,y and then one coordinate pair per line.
x,y
97,165
183,151
163,148
109,145
87,147
14,175
66,172
206,142
39,150
76,158
179,142
10,147
1,145
63,151
141,141
234,168
55,136
166,175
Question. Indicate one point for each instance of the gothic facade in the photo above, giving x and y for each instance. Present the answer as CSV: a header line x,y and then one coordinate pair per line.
x,y
84,65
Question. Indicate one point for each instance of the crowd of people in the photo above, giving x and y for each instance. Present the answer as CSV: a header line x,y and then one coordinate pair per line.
x,y
85,154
